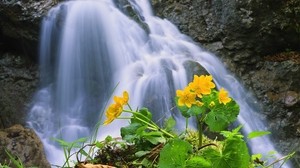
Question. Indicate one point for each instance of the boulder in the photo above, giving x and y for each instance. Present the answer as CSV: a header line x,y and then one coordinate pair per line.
x,y
24,144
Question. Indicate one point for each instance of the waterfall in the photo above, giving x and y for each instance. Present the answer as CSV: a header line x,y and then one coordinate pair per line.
x,y
89,47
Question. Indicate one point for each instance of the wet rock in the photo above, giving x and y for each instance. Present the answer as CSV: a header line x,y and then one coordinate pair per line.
x,y
24,144
18,81
20,24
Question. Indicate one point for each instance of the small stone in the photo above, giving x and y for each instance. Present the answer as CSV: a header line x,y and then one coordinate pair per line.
x,y
290,98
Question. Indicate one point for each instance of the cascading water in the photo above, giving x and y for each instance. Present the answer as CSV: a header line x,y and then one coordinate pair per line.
x,y
89,47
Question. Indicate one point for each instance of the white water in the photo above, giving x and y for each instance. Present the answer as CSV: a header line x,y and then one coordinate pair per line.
x,y
88,47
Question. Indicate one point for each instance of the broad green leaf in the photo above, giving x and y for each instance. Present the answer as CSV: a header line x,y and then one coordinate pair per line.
x,y
221,116
233,155
237,154
128,133
255,134
198,162
195,110
146,113
174,154
141,130
206,99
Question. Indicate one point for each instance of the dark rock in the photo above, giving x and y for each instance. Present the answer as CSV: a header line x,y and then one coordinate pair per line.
x,y
24,144
20,25
18,81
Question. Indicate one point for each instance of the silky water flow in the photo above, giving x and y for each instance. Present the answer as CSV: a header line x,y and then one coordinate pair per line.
x,y
87,48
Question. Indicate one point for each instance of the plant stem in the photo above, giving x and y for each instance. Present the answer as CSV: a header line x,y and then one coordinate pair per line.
x,y
200,128
186,125
157,128
200,132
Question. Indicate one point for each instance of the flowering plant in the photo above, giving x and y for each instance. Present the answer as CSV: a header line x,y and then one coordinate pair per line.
x,y
200,99
161,147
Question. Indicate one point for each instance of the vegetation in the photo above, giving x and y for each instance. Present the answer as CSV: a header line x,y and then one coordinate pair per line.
x,y
145,144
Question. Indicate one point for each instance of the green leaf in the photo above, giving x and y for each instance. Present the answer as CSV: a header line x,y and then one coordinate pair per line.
x,y
196,110
206,99
154,137
221,116
233,134
128,133
169,124
84,153
234,153
174,154
143,114
141,153
198,162
108,139
81,140
255,134
237,153
155,140
15,160
61,142
99,145
256,156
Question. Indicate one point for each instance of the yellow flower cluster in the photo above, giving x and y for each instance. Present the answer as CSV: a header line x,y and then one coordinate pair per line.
x,y
201,85
115,109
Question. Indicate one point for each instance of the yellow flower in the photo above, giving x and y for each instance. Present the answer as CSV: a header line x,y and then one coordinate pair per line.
x,y
223,96
122,100
202,85
212,104
186,97
115,110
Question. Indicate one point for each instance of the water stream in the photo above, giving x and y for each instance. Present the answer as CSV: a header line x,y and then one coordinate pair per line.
x,y
89,47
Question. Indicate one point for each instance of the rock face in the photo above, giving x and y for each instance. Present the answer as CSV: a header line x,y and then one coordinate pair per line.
x,y
20,24
24,144
18,81
252,39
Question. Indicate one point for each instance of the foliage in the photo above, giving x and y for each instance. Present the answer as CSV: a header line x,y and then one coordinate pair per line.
x,y
145,144
15,160
174,154
209,106
68,147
